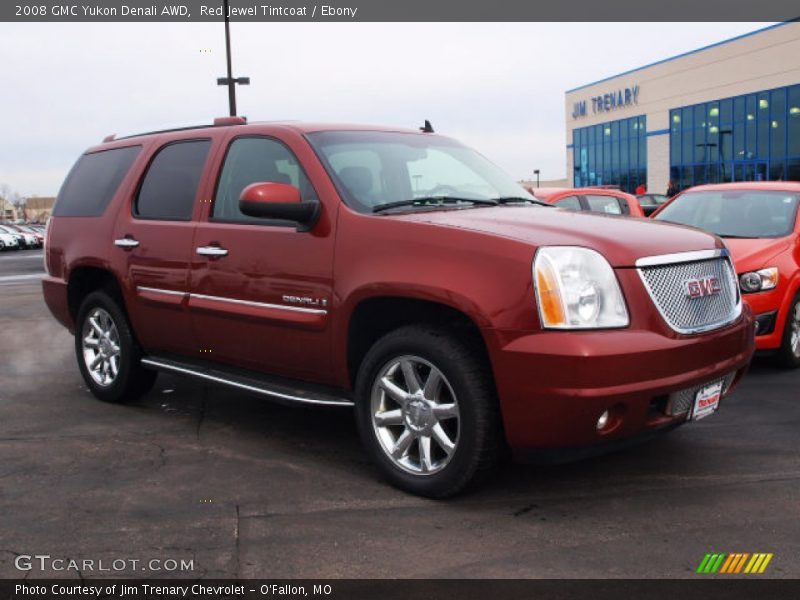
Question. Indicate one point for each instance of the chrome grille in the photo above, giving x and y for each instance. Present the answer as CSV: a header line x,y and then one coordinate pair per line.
x,y
667,285
681,402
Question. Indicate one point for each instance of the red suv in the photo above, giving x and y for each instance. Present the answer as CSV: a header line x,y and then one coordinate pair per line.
x,y
600,200
760,224
396,272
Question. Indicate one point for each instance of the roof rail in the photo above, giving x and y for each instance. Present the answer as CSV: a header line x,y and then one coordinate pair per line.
x,y
218,122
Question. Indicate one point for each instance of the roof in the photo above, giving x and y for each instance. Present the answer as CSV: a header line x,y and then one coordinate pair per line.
x,y
242,123
767,186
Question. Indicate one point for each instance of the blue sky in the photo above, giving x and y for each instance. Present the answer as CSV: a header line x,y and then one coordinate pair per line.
x,y
498,87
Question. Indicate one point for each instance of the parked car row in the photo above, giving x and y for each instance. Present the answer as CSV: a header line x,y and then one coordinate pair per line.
x,y
21,237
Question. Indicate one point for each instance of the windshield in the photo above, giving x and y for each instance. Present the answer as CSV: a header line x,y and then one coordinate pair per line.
x,y
746,214
372,169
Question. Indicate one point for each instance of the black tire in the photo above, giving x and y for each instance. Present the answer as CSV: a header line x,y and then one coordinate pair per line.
x,y
467,376
786,355
131,380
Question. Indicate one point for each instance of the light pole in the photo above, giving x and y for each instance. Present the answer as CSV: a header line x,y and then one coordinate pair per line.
x,y
536,172
230,81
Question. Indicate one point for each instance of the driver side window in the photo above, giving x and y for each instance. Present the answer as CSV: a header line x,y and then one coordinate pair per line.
x,y
251,160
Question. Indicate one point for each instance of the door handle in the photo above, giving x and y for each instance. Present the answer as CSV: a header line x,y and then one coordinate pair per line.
x,y
126,243
214,251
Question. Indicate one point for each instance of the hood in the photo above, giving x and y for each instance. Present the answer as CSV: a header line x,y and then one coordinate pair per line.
x,y
754,254
622,240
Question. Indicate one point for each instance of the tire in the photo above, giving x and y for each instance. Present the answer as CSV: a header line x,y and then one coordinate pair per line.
x,y
103,336
789,353
456,397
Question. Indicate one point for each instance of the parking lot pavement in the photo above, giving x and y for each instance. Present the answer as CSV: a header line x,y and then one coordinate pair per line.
x,y
246,488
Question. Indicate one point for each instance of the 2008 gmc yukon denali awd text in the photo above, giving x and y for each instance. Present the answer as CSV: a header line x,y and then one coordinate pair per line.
x,y
397,272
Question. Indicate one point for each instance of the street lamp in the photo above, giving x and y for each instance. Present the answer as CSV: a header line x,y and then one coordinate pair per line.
x,y
536,172
230,81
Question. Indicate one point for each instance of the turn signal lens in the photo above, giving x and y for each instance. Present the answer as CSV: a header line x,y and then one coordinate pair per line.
x,y
551,303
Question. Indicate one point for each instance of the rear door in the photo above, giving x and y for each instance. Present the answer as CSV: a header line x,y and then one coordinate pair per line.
x,y
153,240
261,289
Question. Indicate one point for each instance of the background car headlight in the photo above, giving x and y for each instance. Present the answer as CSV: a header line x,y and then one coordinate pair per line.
x,y
576,288
757,281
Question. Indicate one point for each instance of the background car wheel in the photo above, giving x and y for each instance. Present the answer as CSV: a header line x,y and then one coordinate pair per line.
x,y
427,411
107,353
789,353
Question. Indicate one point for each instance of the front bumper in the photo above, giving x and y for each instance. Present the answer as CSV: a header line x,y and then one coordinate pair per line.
x,y
553,386
763,304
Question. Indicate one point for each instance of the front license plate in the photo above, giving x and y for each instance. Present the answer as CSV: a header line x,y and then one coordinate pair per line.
x,y
707,400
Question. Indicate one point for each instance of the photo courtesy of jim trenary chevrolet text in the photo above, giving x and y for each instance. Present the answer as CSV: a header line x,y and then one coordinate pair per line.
x,y
425,299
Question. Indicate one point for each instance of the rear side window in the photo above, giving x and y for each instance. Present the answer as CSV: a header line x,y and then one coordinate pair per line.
x,y
604,204
170,184
93,181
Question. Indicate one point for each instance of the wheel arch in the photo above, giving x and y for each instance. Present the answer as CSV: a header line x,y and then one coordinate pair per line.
x,y
375,316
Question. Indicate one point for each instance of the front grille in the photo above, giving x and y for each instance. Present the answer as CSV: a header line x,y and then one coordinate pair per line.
x,y
668,287
681,402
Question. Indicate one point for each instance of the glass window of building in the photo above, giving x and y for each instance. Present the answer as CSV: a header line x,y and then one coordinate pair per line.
x,y
613,153
753,137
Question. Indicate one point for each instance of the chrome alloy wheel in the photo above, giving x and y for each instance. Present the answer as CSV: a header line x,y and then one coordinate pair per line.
x,y
101,347
794,340
415,415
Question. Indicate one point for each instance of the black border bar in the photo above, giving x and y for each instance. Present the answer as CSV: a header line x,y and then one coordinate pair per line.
x,y
399,11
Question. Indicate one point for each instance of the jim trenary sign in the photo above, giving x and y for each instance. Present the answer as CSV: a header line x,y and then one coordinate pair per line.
x,y
607,102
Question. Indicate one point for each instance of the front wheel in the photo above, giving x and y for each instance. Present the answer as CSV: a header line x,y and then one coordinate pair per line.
x,y
108,355
427,411
789,352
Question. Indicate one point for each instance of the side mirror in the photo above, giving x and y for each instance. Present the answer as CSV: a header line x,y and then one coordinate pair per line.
x,y
278,201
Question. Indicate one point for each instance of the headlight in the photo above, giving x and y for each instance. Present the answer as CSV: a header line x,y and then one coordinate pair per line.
x,y
576,289
758,281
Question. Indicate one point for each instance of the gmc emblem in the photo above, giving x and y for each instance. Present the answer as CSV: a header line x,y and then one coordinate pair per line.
x,y
707,286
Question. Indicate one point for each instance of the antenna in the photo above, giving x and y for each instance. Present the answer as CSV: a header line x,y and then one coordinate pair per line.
x,y
427,128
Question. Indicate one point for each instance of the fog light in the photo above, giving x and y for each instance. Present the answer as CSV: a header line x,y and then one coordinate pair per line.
x,y
602,421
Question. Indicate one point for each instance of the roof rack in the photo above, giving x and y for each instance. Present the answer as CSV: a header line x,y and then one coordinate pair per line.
x,y
218,122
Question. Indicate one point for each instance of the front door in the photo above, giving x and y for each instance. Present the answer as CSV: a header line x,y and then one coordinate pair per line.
x,y
260,289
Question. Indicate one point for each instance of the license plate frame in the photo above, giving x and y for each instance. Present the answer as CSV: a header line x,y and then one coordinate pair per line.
x,y
706,400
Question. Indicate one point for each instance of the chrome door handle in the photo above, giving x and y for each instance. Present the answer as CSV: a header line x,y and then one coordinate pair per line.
x,y
215,251
126,243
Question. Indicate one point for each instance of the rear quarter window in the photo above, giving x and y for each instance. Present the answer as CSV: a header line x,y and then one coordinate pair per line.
x,y
93,181
170,185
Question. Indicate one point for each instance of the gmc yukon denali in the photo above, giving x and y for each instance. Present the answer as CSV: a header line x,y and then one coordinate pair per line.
x,y
396,272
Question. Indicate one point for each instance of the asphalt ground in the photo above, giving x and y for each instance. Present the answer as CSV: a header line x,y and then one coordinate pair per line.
x,y
245,488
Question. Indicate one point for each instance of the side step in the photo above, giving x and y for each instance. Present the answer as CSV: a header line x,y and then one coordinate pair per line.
x,y
285,391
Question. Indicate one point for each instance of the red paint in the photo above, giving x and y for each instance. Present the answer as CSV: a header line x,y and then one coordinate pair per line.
x,y
553,195
552,386
759,253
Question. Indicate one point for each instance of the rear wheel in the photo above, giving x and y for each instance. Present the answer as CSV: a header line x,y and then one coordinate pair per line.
x,y
427,411
108,355
789,352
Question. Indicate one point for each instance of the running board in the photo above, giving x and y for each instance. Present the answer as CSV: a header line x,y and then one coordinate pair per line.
x,y
285,391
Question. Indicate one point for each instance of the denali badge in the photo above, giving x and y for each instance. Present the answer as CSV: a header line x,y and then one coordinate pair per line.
x,y
306,300
707,286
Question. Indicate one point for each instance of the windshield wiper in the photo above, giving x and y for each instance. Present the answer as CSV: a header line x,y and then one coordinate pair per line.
x,y
431,201
512,199
736,237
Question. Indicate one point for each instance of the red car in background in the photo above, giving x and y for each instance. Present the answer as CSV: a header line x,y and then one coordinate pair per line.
x,y
599,200
759,223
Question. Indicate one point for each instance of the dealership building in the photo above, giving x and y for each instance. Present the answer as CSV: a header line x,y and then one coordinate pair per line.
x,y
725,112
